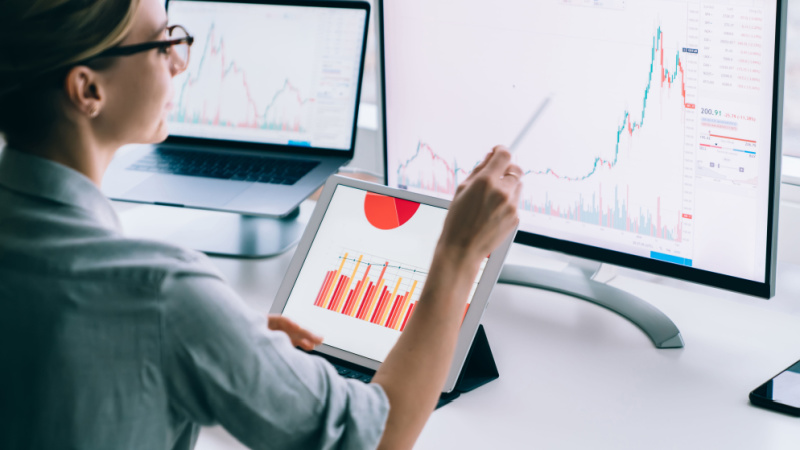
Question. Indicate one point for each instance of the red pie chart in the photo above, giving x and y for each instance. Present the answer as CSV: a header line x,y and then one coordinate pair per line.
x,y
387,213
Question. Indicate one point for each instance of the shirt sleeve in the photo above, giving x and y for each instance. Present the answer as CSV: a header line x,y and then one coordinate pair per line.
x,y
222,365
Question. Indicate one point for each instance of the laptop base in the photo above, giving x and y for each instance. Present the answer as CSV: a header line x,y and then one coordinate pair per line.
x,y
241,236
213,232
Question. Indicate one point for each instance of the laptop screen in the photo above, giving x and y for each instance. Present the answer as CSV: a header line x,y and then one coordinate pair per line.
x,y
273,74
365,271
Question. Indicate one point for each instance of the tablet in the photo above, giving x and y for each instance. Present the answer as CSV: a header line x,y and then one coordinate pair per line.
x,y
361,266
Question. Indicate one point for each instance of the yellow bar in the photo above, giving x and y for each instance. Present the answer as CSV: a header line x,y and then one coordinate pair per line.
x,y
402,313
347,288
372,300
391,302
335,282
358,295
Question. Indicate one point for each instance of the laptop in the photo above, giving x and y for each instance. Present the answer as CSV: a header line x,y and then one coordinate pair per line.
x,y
266,110
358,273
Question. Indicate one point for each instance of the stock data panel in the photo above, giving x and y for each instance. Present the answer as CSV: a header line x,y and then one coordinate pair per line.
x,y
643,126
269,73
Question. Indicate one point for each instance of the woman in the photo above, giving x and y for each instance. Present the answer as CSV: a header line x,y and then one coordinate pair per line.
x,y
111,342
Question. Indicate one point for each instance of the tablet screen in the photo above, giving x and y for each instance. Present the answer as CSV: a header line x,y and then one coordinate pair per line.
x,y
365,270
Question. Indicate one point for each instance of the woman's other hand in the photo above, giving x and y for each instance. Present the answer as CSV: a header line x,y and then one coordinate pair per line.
x,y
299,336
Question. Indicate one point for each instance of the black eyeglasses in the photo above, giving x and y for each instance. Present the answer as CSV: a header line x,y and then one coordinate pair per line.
x,y
178,45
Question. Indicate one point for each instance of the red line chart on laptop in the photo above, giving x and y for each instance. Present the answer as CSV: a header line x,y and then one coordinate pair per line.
x,y
218,92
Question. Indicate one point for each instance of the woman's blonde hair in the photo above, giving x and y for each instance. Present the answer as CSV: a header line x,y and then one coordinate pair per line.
x,y
41,37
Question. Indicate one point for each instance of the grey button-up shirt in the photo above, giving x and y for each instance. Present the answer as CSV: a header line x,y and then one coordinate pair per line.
x,y
115,343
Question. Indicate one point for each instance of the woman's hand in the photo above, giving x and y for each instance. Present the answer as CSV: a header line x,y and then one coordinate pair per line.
x,y
484,209
299,336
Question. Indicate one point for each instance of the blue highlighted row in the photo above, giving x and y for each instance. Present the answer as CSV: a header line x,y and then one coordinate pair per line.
x,y
300,143
671,259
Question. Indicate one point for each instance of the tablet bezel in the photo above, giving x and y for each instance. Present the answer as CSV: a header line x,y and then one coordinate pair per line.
x,y
478,304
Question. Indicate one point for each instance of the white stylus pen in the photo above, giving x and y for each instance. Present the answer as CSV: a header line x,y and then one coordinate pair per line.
x,y
529,125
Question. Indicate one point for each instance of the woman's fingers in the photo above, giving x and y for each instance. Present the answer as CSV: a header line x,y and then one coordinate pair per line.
x,y
498,162
480,166
513,174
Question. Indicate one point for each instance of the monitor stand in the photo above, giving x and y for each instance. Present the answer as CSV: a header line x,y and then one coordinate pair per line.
x,y
583,284
241,236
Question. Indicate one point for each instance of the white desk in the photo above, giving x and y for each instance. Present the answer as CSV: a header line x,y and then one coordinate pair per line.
x,y
576,376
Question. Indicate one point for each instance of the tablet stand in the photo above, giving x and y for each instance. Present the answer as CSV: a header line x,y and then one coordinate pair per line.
x,y
479,368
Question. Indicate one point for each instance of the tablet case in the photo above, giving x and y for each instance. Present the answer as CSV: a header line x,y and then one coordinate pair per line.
x,y
479,369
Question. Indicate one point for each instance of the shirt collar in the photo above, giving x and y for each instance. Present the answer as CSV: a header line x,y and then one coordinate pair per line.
x,y
42,178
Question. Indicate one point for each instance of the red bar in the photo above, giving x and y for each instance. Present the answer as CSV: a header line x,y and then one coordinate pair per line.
x,y
728,137
351,300
360,283
364,300
337,292
341,297
327,288
383,300
368,301
408,314
397,302
381,304
387,300
373,300
340,294
377,302
327,279
357,291
396,316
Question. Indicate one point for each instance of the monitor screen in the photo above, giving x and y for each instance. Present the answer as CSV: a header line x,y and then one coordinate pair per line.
x,y
646,129
271,74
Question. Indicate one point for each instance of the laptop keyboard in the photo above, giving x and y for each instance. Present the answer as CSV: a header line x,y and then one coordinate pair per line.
x,y
356,375
350,373
261,169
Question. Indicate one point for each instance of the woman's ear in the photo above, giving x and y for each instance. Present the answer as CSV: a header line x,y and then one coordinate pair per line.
x,y
84,91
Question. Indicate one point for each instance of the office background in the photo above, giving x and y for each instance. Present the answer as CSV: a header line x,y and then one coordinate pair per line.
x,y
574,375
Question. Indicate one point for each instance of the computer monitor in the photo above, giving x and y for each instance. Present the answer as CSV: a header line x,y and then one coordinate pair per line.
x,y
649,131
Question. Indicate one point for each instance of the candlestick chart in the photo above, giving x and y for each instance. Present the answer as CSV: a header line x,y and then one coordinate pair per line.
x,y
606,189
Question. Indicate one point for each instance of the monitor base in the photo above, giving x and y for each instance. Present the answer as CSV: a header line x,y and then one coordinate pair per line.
x,y
654,323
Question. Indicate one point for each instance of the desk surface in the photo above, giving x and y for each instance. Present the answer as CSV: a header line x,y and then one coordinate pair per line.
x,y
574,375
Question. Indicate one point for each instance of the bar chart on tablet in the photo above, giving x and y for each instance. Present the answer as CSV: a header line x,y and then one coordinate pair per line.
x,y
372,289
